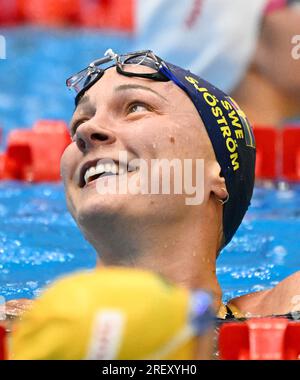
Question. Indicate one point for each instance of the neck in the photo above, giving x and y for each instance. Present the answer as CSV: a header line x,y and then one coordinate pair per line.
x,y
263,102
183,252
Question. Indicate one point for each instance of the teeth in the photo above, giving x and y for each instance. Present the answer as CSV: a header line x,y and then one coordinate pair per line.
x,y
114,169
106,167
92,171
100,169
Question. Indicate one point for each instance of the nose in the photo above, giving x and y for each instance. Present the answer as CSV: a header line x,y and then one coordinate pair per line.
x,y
89,135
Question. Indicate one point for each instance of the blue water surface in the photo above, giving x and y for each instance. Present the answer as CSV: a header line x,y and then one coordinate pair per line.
x,y
38,238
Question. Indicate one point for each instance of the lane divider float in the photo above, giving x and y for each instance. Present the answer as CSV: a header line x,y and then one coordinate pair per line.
x,y
260,339
34,154
277,152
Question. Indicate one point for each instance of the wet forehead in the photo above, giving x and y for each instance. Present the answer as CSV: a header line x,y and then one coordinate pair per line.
x,y
175,103
113,82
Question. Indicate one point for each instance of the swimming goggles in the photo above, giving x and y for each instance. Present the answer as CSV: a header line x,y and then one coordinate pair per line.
x,y
126,64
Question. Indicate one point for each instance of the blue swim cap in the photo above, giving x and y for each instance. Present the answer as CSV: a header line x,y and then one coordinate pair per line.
x,y
232,139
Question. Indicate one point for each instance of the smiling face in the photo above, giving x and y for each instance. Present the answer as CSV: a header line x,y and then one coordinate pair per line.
x,y
146,120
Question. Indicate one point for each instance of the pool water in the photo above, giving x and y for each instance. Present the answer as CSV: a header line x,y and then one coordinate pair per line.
x,y
39,241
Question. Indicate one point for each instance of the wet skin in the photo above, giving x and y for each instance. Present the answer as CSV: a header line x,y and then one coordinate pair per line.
x,y
149,120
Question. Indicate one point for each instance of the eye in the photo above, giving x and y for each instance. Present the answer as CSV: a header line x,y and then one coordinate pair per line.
x,y
138,107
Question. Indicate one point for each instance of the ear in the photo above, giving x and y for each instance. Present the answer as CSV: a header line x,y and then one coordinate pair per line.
x,y
218,185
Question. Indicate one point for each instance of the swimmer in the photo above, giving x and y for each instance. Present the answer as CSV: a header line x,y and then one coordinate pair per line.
x,y
116,313
155,110
270,90
151,109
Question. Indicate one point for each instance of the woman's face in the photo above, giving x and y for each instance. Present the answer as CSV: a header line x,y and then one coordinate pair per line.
x,y
143,119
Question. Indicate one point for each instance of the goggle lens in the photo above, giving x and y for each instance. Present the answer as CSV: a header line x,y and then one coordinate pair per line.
x,y
128,64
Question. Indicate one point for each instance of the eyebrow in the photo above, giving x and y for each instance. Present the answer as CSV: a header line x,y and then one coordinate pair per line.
x,y
126,87
84,101
85,105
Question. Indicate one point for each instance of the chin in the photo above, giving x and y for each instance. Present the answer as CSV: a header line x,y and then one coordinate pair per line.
x,y
100,208
96,211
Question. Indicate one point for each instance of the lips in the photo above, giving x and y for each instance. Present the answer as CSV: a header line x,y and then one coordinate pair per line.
x,y
92,170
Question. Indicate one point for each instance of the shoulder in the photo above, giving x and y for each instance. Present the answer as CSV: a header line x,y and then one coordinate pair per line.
x,y
282,299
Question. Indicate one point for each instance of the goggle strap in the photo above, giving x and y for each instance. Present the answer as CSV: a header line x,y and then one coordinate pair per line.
x,y
154,76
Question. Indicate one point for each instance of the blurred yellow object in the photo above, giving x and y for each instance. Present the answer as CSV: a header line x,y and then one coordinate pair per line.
x,y
113,313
